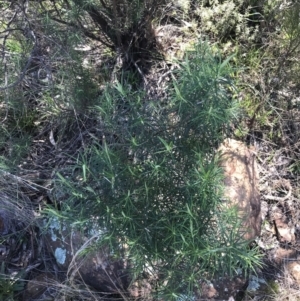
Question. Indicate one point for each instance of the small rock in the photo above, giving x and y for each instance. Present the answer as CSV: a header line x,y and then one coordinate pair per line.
x,y
294,270
97,268
284,232
259,286
36,286
264,210
222,288
208,291
255,284
281,254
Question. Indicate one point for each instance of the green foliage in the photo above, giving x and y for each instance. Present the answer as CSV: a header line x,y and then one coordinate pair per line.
x,y
9,285
272,288
76,91
14,46
15,136
291,22
229,19
290,42
270,68
153,181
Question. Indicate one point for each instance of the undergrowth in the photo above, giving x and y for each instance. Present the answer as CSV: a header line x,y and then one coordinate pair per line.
x,y
144,169
153,184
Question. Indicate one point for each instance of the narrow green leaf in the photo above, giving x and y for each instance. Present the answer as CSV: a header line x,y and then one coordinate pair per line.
x,y
84,172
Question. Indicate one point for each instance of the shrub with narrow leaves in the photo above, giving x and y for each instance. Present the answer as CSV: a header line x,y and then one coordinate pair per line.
x,y
153,182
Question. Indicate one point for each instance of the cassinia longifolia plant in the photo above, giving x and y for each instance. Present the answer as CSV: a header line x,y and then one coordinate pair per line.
x,y
153,182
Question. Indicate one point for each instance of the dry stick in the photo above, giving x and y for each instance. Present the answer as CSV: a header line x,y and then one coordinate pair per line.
x,y
22,181
115,286
280,199
140,72
73,266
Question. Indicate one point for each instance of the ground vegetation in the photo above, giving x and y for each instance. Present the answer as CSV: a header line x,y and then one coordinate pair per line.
x,y
111,114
